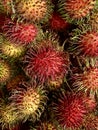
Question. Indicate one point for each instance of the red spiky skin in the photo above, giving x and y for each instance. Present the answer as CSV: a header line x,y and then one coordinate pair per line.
x,y
46,62
88,80
88,44
70,110
57,23
20,33
78,8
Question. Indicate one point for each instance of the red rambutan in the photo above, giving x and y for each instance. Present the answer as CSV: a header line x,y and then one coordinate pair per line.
x,y
30,100
46,62
20,33
84,42
57,22
69,110
88,80
75,9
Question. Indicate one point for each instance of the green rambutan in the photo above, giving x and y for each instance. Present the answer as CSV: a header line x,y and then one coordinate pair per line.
x,y
46,62
34,10
11,50
8,116
74,10
30,100
5,71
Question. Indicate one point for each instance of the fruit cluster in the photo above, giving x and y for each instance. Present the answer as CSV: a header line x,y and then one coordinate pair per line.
x,y
49,64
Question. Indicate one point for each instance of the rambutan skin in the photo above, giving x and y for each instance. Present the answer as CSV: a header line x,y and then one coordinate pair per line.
x,y
46,62
84,42
20,33
75,10
89,44
57,22
78,9
8,116
5,6
11,50
90,122
30,100
88,80
69,110
5,71
37,11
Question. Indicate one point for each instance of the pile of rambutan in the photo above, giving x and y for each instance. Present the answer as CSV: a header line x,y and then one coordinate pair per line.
x,y
48,64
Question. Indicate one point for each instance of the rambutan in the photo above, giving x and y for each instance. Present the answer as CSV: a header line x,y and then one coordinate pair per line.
x,y
6,6
90,102
11,50
90,122
84,42
5,71
30,100
93,19
73,10
46,62
34,10
20,33
57,22
8,116
69,110
88,80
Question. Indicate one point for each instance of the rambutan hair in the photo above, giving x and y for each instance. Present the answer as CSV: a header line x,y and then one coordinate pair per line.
x,y
46,61
30,100
8,116
69,110
90,122
34,10
5,71
84,42
75,10
87,81
20,33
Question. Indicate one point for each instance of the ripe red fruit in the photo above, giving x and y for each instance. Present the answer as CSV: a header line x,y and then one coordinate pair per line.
x,y
84,42
69,110
88,44
46,62
73,10
88,80
57,22
20,33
